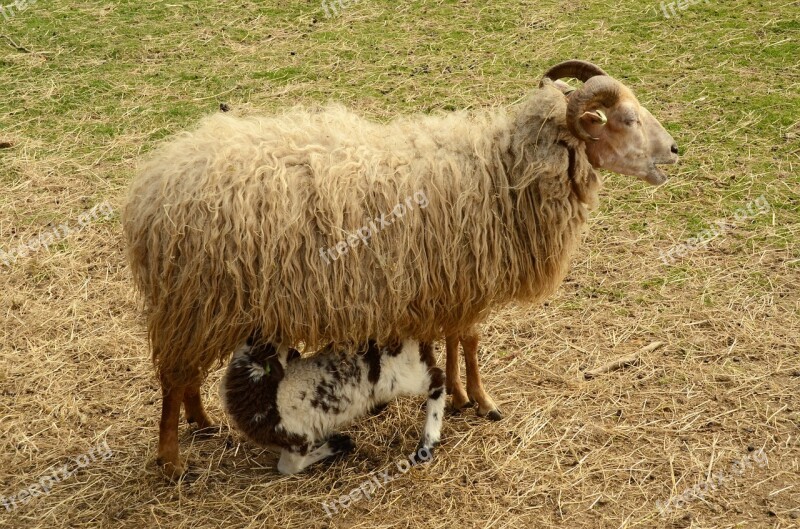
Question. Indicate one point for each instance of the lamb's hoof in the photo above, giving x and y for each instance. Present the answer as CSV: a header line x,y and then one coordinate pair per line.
x,y
341,443
424,454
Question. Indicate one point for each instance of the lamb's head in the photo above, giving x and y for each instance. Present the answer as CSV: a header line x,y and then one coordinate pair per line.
x,y
620,134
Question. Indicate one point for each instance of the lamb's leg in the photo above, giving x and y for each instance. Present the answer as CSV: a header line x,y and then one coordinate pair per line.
x,y
432,432
486,406
459,399
169,457
195,412
292,462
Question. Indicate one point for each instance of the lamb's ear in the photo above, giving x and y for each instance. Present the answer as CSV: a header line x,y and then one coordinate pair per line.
x,y
274,369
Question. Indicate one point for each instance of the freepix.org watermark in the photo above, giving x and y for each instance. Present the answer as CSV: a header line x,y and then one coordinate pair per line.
x,y
681,5
376,480
753,208
54,235
9,11
330,9
738,468
55,476
364,233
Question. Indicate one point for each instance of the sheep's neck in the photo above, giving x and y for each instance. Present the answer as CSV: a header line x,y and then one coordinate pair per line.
x,y
550,187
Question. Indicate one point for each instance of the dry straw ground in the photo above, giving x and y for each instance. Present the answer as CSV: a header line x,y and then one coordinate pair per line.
x,y
88,87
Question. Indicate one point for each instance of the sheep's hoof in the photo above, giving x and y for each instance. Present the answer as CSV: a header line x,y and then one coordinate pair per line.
x,y
457,406
341,443
173,471
201,420
492,415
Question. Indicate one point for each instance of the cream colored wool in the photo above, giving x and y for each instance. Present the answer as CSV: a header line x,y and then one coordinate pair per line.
x,y
224,226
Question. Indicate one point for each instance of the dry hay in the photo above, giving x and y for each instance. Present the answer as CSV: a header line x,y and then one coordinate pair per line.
x,y
595,453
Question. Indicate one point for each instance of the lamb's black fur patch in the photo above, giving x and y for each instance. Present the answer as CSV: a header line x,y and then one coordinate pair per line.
x,y
372,357
393,349
339,370
426,353
437,377
326,398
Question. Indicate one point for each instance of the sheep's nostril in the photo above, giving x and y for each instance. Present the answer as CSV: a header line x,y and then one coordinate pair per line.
x,y
674,148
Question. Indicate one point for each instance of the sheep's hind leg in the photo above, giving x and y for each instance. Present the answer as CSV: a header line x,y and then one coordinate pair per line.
x,y
169,458
486,406
196,413
292,462
459,399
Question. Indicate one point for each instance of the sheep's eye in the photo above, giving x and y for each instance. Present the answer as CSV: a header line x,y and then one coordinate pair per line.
x,y
631,121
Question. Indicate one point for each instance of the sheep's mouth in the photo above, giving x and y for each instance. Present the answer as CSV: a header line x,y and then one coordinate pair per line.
x,y
656,176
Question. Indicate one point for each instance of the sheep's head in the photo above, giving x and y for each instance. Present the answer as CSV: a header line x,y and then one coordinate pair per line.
x,y
620,134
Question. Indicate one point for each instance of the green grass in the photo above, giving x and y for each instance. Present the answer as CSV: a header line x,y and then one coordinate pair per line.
x,y
120,77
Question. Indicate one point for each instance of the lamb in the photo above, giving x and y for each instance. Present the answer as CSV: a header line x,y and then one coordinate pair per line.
x,y
224,223
276,398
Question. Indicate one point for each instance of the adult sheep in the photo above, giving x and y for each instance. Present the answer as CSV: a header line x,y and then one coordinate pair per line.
x,y
228,226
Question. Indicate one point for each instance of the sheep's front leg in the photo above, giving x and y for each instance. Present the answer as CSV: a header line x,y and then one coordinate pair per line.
x,y
432,432
292,462
486,406
459,399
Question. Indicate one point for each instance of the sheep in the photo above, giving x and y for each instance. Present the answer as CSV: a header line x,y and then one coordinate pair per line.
x,y
299,404
224,224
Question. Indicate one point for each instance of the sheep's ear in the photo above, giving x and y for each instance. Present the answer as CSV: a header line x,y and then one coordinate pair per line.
x,y
597,117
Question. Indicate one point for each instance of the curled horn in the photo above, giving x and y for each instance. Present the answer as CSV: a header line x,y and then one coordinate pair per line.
x,y
598,87
581,70
602,90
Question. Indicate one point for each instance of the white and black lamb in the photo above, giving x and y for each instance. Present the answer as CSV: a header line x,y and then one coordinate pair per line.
x,y
276,398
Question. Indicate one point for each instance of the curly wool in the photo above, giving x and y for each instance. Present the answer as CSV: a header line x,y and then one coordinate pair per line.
x,y
224,226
